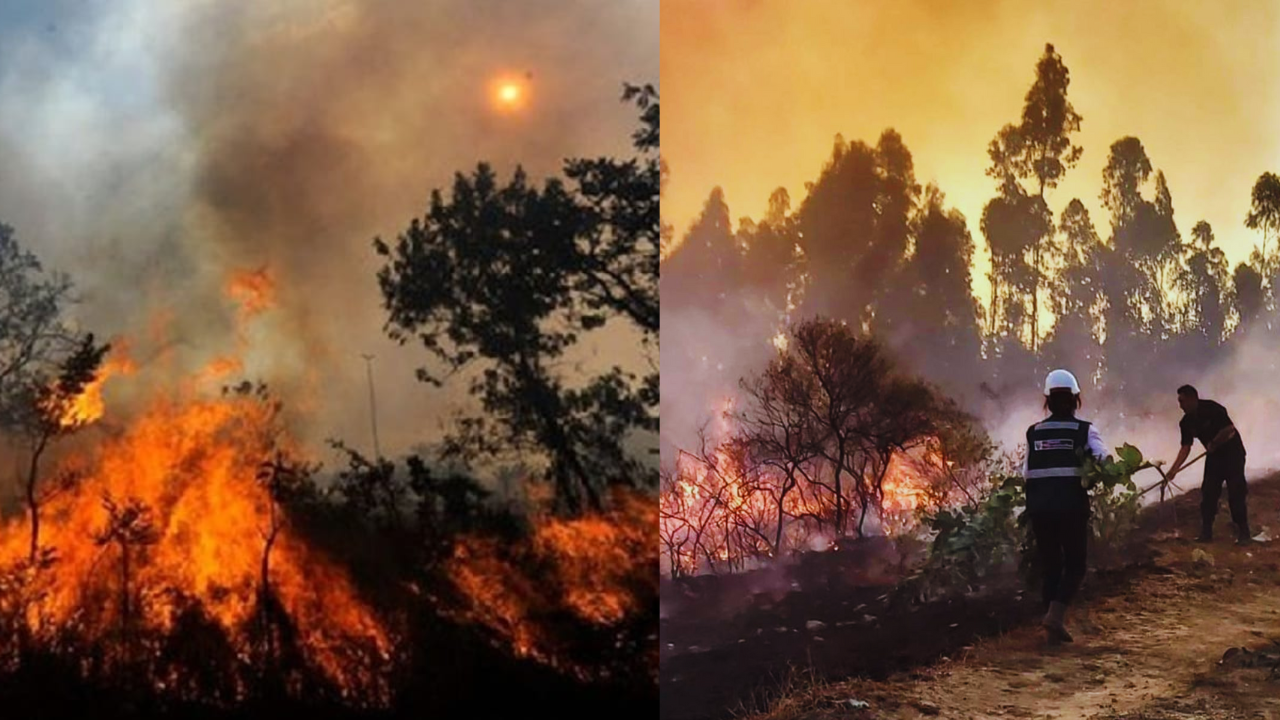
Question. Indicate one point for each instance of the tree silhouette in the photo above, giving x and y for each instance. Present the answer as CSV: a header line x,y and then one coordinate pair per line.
x,y
1013,223
130,527
510,276
1080,299
33,333
857,410
770,264
1146,245
280,478
46,415
777,440
1264,215
1203,283
929,315
837,221
1249,295
616,255
707,266
1038,150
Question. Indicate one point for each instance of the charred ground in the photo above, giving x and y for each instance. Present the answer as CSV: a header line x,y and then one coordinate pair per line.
x,y
736,644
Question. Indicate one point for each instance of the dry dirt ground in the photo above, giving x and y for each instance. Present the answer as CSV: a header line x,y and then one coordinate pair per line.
x,y
1178,635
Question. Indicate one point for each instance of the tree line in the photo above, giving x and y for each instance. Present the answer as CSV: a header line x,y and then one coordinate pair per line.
x,y
1107,296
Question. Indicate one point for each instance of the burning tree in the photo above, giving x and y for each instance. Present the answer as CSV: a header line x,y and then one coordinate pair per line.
x,y
55,409
130,527
45,367
281,478
859,411
826,440
777,438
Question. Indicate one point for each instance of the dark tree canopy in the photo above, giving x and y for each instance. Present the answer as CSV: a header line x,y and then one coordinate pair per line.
x,y
34,335
866,244
511,277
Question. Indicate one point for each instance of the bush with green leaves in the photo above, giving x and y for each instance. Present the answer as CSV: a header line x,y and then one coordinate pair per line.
x,y
971,542
990,536
1113,500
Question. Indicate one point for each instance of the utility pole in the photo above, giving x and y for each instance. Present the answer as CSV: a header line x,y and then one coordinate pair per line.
x,y
373,407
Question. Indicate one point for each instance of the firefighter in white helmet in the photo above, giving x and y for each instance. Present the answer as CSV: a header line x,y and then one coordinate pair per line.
x,y
1057,501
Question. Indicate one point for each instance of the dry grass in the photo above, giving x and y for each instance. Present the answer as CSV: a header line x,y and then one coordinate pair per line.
x,y
796,695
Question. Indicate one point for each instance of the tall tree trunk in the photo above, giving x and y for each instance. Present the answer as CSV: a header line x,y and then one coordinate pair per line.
x,y
126,624
1035,281
571,476
1035,295
264,593
33,503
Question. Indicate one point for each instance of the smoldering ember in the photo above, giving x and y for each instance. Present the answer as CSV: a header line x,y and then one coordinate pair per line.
x,y
854,370
328,386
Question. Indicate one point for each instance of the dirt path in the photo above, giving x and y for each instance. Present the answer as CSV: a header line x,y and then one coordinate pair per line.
x,y
1153,652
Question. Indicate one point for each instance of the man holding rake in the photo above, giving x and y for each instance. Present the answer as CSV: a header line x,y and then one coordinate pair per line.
x,y
1208,422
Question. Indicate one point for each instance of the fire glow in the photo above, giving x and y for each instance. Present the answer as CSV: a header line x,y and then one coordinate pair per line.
x,y
193,462
88,406
716,512
167,526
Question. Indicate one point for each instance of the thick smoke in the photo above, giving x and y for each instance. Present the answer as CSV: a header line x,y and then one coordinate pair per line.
x,y
703,359
1243,381
154,150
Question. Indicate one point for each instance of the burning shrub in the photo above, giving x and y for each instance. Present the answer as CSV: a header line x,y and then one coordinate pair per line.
x,y
578,591
174,526
833,435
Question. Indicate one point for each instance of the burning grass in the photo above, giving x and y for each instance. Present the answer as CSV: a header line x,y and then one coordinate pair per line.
x,y
596,574
169,518
171,563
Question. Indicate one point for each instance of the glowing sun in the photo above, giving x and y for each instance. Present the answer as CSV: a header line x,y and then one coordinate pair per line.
x,y
510,93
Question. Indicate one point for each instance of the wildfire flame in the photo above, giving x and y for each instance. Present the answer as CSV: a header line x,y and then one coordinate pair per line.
x,y
222,367
168,519
712,497
593,566
193,463
88,407
253,290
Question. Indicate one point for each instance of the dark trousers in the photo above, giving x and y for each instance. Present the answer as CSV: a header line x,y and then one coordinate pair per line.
x,y
1062,540
1230,470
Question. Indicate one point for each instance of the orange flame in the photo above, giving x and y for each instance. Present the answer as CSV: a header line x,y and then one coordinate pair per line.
x,y
708,498
222,367
194,463
253,290
594,565
88,407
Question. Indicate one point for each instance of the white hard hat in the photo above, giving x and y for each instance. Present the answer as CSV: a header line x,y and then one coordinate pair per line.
x,y
1061,380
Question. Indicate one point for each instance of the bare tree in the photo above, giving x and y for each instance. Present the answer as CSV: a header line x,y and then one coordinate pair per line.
x,y
776,439
130,527
279,478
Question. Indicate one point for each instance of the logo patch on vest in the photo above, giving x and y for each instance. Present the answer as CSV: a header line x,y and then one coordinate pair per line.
x,y
1064,444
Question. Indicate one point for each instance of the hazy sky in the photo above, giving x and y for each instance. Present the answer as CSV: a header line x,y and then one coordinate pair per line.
x,y
756,90
150,149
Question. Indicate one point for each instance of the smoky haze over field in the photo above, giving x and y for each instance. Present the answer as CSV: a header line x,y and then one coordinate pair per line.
x,y
908,229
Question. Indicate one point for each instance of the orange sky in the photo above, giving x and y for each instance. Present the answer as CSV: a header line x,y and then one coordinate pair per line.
x,y
754,92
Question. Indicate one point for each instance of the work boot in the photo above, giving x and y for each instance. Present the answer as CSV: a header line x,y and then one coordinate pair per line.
x,y
1206,534
1054,623
1244,537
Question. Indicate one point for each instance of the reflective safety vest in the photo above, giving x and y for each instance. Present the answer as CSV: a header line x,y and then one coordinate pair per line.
x,y
1056,449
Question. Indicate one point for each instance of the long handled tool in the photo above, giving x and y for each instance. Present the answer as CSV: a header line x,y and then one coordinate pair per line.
x,y
1165,482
